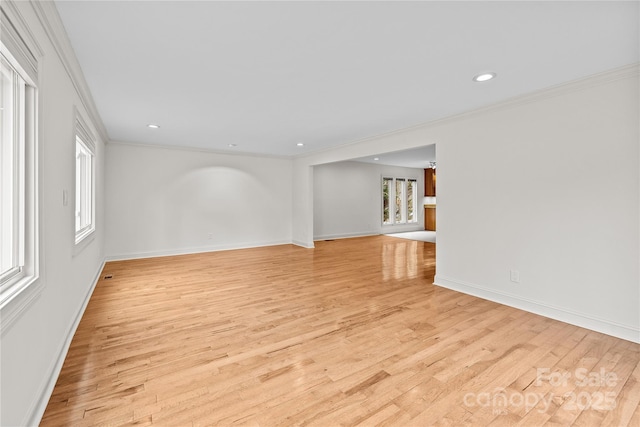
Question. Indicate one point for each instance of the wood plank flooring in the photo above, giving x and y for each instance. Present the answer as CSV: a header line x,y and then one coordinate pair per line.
x,y
350,333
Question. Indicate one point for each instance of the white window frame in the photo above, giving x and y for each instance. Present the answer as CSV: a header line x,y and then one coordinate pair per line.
x,y
84,150
399,216
414,198
19,284
390,183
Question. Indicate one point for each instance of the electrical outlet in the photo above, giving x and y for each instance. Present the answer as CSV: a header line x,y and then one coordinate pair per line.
x,y
210,236
515,276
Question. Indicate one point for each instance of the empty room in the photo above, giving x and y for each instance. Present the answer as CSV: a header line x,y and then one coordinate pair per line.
x,y
225,213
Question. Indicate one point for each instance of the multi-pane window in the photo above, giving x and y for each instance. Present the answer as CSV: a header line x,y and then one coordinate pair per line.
x,y
84,212
399,197
11,124
18,231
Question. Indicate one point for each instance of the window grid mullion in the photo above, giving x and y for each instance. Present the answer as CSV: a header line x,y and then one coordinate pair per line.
x,y
399,193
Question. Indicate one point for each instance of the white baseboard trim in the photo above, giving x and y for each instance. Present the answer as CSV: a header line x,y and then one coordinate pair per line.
x,y
346,235
38,407
198,250
618,330
401,228
303,244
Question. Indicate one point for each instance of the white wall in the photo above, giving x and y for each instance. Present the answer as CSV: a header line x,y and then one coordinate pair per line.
x,y
169,201
302,205
347,199
550,189
547,184
34,343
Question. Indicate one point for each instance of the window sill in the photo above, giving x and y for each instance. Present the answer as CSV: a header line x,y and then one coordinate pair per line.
x,y
18,298
84,242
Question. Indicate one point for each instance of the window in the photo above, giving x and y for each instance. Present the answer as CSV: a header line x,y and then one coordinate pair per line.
x,y
84,212
386,196
10,167
399,197
18,212
411,197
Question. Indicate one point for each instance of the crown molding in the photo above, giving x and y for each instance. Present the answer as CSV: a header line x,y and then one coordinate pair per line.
x,y
199,150
609,76
605,77
17,34
47,13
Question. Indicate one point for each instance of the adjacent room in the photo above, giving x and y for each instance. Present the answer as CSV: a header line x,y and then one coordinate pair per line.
x,y
225,213
381,194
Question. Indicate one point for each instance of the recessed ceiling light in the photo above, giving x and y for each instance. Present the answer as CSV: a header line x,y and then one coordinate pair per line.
x,y
233,145
300,144
376,158
484,77
152,126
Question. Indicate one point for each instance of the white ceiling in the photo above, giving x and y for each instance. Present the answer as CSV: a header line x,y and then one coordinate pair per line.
x,y
268,75
413,158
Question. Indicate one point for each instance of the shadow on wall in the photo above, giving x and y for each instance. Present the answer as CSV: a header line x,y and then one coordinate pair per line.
x,y
207,205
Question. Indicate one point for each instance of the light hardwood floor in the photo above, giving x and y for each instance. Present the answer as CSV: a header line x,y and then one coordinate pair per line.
x,y
350,333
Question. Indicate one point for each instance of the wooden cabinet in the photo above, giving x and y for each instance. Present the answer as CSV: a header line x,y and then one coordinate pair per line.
x,y
429,182
430,217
